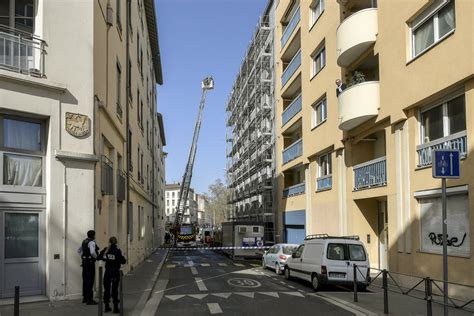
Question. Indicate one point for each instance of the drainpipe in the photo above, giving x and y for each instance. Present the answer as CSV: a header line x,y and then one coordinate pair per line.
x,y
127,120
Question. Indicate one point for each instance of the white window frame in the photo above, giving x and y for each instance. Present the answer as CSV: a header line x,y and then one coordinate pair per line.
x,y
313,18
321,52
315,122
446,126
430,13
329,159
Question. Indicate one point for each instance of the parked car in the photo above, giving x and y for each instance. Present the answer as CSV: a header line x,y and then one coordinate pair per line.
x,y
324,259
275,258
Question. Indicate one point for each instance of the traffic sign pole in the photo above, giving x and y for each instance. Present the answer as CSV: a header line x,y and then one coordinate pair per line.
x,y
445,247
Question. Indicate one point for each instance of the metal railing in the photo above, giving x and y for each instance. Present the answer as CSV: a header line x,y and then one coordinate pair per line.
x,y
290,27
291,110
324,183
416,287
293,151
370,174
291,68
294,190
455,141
107,184
21,51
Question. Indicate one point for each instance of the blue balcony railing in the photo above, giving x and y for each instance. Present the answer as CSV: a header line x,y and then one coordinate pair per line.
x,y
292,67
290,27
324,183
370,174
291,110
293,151
455,141
294,190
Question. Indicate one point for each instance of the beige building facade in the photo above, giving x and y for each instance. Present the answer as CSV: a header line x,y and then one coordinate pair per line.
x,y
358,161
66,152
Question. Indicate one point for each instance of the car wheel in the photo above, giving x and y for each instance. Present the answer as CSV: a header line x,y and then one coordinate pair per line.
x,y
264,265
315,282
287,273
278,269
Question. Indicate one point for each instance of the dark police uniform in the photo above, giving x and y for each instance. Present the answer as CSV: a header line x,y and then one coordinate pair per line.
x,y
113,260
88,269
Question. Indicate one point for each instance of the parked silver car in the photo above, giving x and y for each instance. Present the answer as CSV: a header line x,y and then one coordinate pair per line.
x,y
275,258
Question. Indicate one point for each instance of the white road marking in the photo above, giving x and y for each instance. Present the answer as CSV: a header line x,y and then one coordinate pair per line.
x,y
223,295
205,265
174,297
291,287
214,308
255,265
238,265
282,282
246,294
190,263
194,270
293,294
222,264
273,294
198,296
200,284
171,266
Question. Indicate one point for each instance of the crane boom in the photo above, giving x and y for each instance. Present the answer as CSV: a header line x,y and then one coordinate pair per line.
x,y
207,84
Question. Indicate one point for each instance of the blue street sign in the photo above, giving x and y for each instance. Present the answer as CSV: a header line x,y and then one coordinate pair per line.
x,y
446,163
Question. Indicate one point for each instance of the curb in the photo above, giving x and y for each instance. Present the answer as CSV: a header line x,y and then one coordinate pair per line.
x,y
149,289
348,306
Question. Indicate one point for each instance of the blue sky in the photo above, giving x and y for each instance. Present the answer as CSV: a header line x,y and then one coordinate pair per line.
x,y
200,38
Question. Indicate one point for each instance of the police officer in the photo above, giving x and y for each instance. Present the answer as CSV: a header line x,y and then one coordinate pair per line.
x,y
113,258
88,252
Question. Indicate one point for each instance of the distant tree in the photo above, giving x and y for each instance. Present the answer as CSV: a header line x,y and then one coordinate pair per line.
x,y
217,197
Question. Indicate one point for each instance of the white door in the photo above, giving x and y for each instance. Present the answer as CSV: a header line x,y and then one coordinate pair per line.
x,y
21,253
357,256
295,265
383,235
337,261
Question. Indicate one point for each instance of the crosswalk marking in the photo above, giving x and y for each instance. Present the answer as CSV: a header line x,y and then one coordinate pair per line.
x,y
205,265
171,266
200,284
273,294
198,296
194,270
222,264
214,308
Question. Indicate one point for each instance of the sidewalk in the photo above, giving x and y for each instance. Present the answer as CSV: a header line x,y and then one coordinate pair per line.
x,y
371,303
137,286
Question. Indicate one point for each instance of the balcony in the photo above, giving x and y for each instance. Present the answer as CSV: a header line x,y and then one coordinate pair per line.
x,y
355,35
293,151
291,68
290,27
358,104
291,110
370,174
324,183
456,141
21,52
294,190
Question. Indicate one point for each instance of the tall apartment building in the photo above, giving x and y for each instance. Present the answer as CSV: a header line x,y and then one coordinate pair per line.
x,y
360,163
250,132
71,132
190,215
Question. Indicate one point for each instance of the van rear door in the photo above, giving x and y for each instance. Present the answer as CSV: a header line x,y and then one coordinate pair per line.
x,y
337,262
358,256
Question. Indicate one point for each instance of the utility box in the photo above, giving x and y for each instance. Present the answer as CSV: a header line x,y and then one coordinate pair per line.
x,y
242,234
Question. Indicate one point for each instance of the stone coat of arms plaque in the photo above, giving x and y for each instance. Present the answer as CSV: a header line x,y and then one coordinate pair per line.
x,y
77,125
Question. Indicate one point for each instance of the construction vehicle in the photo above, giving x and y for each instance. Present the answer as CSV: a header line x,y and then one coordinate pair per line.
x,y
185,232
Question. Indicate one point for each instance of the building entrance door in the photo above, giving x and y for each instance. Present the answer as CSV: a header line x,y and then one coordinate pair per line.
x,y
383,234
21,253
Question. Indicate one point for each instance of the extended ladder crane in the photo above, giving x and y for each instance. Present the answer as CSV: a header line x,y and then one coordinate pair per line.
x,y
207,84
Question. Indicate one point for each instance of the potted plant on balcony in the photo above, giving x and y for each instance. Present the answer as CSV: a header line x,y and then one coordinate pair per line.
x,y
356,78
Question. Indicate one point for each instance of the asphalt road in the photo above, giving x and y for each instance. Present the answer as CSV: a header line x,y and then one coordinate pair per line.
x,y
202,282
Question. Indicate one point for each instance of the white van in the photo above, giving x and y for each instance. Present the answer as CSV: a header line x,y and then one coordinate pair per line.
x,y
324,259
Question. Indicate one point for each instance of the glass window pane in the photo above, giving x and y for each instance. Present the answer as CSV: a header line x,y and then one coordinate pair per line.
x,y
24,14
432,121
424,36
22,170
21,135
357,253
457,115
21,235
446,19
336,252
